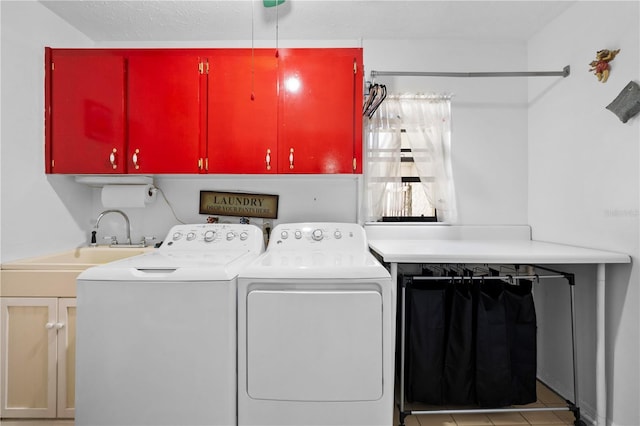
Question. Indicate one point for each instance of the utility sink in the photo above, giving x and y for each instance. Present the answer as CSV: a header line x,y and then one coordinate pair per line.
x,y
55,275
79,258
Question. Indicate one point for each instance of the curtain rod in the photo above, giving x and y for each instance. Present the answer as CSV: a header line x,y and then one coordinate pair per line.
x,y
564,73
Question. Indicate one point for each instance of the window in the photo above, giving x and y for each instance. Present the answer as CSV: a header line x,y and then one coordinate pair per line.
x,y
415,205
407,170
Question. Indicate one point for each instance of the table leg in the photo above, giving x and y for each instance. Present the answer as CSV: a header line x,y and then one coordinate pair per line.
x,y
601,378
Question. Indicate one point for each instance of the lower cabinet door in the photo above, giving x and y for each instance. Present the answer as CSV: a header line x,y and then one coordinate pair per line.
x,y
28,357
66,357
37,357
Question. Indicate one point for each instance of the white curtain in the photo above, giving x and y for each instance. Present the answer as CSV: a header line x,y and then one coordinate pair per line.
x,y
382,162
426,120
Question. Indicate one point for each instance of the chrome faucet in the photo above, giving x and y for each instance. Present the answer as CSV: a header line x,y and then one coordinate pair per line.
x,y
113,241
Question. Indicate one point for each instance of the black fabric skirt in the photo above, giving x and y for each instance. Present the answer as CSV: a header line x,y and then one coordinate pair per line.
x,y
470,342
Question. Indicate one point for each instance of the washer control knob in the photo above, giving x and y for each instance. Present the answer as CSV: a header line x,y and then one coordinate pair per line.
x,y
243,236
337,234
230,236
177,236
284,235
191,236
298,234
317,234
209,236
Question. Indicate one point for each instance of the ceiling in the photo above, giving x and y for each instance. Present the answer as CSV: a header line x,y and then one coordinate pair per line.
x,y
153,21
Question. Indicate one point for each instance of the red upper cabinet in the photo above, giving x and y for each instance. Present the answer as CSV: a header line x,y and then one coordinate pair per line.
x,y
125,111
165,112
85,116
242,118
320,122
187,111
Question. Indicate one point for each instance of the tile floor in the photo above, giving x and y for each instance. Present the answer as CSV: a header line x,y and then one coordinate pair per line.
x,y
546,398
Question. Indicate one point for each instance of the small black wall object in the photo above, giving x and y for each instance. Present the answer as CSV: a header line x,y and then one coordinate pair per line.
x,y
627,103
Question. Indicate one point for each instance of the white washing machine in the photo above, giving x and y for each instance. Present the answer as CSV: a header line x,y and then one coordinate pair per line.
x,y
156,333
316,315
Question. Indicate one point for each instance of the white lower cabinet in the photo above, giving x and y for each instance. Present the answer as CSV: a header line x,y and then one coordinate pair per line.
x,y
37,357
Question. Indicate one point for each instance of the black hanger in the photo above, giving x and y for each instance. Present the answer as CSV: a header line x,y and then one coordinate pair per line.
x,y
377,94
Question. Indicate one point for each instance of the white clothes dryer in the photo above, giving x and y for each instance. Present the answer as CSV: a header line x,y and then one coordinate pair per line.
x,y
156,333
316,329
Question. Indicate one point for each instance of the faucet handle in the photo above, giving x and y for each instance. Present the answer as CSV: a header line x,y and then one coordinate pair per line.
x,y
112,240
146,240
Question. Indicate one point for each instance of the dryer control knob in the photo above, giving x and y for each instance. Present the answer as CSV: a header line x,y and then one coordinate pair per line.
x,y
337,234
230,236
177,236
298,234
191,236
243,236
284,235
317,234
209,236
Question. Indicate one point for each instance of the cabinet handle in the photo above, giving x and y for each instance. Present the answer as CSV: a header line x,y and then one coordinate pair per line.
x,y
291,158
134,158
112,158
268,159
52,325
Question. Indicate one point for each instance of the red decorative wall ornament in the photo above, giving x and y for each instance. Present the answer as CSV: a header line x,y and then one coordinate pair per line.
x,y
600,67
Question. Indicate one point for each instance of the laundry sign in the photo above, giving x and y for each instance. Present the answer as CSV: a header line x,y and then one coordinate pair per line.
x,y
239,204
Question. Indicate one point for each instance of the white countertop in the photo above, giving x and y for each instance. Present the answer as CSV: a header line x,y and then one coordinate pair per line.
x,y
489,251
497,245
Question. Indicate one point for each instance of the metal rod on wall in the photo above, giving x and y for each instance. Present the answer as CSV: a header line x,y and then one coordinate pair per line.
x,y
564,73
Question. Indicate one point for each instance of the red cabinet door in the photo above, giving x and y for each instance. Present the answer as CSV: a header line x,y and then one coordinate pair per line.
x,y
165,112
320,123
158,111
242,114
86,133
